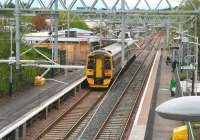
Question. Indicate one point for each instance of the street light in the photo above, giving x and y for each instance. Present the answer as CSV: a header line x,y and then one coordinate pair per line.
x,y
184,39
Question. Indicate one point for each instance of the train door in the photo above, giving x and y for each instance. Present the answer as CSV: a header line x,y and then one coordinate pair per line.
x,y
99,70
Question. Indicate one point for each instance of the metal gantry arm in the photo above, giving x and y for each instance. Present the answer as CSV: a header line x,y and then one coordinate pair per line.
x,y
43,6
125,11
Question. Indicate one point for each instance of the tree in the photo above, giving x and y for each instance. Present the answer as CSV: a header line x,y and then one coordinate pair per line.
x,y
10,5
188,6
39,22
77,23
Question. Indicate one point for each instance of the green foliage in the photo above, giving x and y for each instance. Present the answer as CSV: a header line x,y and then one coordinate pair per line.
x,y
183,75
188,6
75,21
7,13
21,79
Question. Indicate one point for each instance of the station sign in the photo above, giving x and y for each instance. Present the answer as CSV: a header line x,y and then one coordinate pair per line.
x,y
190,67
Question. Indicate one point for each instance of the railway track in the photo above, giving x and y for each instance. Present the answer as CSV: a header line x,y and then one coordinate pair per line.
x,y
117,121
74,133
70,119
94,126
70,123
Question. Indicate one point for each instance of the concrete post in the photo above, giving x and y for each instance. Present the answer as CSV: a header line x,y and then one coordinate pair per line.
x,y
16,137
45,113
79,87
75,91
58,104
24,130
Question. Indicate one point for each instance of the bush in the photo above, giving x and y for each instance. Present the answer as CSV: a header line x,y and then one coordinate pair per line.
x,y
183,75
23,78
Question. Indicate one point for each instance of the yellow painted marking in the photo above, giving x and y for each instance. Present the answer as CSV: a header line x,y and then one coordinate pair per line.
x,y
98,68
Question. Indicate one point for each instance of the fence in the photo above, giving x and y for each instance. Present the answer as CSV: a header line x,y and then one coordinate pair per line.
x,y
180,94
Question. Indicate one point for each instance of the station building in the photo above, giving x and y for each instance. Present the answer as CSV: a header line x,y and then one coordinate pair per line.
x,y
76,43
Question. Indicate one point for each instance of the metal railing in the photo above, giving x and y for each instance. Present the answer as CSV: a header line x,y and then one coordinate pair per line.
x,y
180,94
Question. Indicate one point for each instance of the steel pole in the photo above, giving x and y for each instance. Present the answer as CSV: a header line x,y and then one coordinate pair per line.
x,y
196,65
100,30
11,75
56,31
123,32
17,34
167,42
197,50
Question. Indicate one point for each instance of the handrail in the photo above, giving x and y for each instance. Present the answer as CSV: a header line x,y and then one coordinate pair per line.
x,y
180,93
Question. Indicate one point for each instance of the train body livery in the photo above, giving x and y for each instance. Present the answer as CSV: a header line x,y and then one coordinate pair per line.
x,y
103,64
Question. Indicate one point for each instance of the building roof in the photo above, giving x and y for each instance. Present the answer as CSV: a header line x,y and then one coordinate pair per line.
x,y
84,35
61,32
81,31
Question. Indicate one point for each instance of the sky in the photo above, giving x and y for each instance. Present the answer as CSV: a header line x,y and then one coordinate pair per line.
x,y
110,3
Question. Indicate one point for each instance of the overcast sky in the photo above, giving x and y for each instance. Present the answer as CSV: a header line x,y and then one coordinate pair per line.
x,y
110,3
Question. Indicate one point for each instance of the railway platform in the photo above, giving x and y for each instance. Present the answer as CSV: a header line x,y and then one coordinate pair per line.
x,y
147,124
16,110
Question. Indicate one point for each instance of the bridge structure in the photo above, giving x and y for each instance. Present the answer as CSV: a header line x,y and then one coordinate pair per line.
x,y
164,13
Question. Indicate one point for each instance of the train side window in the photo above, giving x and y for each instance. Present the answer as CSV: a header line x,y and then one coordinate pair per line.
x,y
91,64
107,64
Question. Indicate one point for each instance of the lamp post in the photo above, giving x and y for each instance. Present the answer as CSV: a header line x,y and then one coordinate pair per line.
x,y
195,66
184,39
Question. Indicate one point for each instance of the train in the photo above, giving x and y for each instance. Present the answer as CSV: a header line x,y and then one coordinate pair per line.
x,y
103,64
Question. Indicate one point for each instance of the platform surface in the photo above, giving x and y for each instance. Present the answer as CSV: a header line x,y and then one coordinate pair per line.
x,y
162,128
12,108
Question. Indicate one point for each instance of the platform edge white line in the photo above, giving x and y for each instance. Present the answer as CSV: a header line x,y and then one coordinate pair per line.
x,y
145,92
21,120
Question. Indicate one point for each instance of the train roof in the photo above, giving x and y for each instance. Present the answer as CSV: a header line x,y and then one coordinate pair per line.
x,y
114,48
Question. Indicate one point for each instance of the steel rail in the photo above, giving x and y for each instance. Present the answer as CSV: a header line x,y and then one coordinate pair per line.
x,y
81,119
59,117
76,122
120,99
128,122
74,133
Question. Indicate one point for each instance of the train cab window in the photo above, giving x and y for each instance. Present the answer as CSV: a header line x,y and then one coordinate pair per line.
x,y
91,64
107,65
